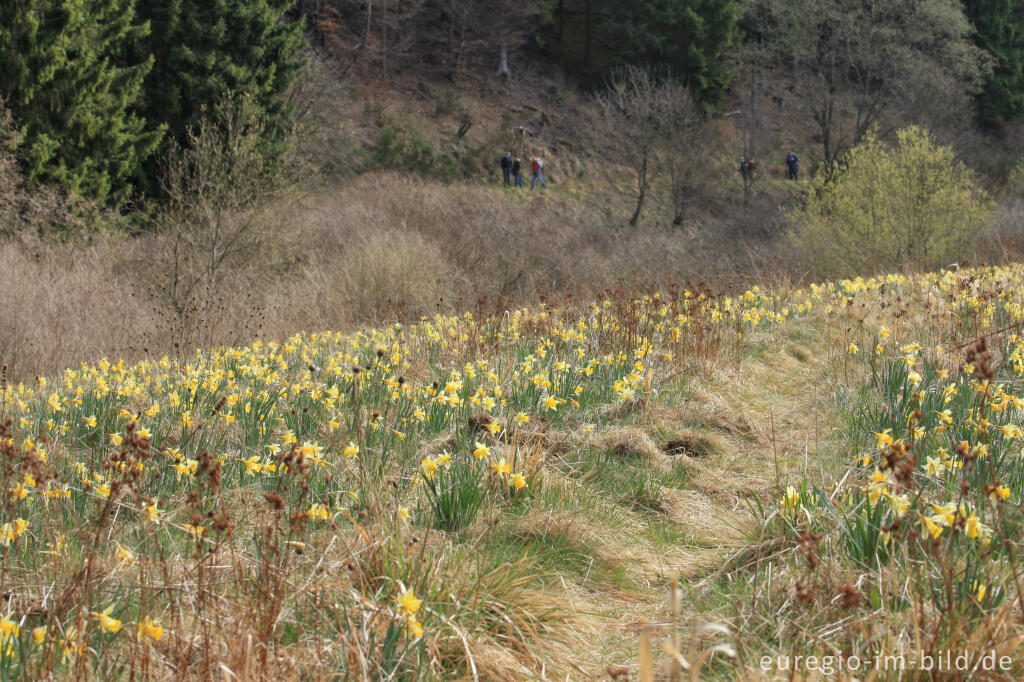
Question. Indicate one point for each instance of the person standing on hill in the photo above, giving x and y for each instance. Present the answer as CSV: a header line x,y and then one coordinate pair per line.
x,y
506,168
516,169
537,166
748,167
792,165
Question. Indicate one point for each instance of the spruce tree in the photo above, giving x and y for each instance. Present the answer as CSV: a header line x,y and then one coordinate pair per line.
x,y
1000,31
687,38
63,72
208,50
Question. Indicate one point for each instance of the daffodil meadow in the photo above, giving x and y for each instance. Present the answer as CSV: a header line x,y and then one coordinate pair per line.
x,y
366,506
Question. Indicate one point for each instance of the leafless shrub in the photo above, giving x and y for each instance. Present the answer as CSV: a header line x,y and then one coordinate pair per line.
x,y
220,232
685,133
656,128
632,129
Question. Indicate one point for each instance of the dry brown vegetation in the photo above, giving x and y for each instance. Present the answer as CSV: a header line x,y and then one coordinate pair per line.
x,y
379,247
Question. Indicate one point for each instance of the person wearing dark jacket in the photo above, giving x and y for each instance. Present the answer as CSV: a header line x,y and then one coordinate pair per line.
x,y
792,165
506,168
748,168
516,169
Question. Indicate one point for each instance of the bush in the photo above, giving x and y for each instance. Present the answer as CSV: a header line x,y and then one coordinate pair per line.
x,y
889,207
216,230
399,149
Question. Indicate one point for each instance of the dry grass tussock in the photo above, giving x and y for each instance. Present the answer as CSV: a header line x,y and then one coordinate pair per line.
x,y
632,442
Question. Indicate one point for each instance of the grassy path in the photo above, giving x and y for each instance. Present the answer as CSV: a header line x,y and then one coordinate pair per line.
x,y
666,490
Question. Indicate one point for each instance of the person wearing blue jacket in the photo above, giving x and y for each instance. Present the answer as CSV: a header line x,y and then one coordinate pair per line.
x,y
506,168
792,165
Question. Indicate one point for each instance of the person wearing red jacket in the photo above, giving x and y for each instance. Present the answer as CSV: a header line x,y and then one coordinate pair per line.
x,y
537,166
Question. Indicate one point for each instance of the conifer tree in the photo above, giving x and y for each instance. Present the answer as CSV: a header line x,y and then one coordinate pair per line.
x,y
208,50
63,72
999,26
687,38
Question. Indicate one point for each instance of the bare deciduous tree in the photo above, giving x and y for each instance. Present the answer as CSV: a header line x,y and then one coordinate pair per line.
x,y
375,34
685,140
216,223
849,65
450,33
658,129
632,129
486,28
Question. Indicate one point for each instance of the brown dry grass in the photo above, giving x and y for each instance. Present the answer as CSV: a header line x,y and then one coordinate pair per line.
x,y
378,247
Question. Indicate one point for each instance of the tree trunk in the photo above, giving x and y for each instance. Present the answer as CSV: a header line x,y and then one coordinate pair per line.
x,y
830,109
755,110
826,143
586,34
641,185
680,213
753,121
503,70
369,23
